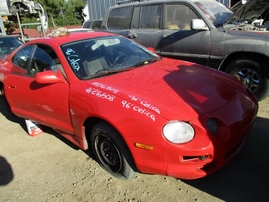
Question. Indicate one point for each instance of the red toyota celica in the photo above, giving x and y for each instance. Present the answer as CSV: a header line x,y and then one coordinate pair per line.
x,y
138,112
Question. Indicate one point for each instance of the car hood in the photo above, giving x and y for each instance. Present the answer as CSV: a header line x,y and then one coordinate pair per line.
x,y
171,88
250,10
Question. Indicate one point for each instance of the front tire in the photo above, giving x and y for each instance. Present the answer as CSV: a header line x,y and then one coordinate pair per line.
x,y
111,151
250,72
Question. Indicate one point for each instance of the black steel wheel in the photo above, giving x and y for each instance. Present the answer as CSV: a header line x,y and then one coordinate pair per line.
x,y
111,151
250,72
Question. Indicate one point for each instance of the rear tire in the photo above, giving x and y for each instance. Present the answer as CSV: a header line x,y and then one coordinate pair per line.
x,y
251,73
111,151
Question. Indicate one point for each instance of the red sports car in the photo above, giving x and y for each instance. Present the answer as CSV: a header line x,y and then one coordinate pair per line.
x,y
138,112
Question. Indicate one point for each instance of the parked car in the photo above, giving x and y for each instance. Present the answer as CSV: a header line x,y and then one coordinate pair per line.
x,y
92,24
137,111
201,31
9,44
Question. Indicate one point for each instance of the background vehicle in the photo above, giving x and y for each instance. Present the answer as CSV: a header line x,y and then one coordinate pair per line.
x,y
9,44
8,7
136,110
12,7
205,32
92,24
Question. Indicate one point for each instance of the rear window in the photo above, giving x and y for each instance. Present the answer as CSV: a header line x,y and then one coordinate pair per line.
x,y
96,24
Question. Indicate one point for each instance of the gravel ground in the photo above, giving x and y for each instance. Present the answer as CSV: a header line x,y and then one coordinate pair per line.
x,y
48,168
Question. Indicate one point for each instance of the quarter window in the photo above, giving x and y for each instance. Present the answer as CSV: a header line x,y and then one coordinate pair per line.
x,y
120,18
96,24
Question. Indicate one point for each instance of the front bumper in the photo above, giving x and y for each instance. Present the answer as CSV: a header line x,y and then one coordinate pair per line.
x,y
207,160
207,153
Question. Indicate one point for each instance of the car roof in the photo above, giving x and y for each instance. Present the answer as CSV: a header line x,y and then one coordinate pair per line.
x,y
71,37
139,2
149,2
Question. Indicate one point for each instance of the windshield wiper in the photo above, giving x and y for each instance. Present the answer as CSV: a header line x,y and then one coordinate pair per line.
x,y
106,72
145,62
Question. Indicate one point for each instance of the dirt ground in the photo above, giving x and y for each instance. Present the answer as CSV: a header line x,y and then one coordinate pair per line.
x,y
48,168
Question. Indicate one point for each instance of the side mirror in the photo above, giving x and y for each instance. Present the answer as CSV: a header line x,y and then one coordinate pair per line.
x,y
49,77
198,24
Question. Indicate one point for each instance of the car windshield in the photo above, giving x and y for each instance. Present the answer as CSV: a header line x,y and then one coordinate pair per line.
x,y
8,44
101,56
216,12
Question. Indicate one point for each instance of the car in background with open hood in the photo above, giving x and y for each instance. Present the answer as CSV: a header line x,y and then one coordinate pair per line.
x,y
201,31
254,13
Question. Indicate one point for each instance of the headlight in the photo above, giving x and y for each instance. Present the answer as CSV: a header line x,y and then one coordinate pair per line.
x,y
212,126
178,132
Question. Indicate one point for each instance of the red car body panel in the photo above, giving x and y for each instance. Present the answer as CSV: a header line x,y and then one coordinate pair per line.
x,y
138,103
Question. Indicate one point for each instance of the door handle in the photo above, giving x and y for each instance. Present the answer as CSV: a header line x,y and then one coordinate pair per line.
x,y
11,86
132,35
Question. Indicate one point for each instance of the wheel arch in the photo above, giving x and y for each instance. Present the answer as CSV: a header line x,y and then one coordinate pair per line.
x,y
1,89
90,122
232,57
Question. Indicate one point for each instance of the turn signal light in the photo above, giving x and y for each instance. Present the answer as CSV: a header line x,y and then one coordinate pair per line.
x,y
144,146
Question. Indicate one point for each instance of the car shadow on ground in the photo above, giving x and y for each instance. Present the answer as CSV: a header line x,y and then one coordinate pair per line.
x,y
246,178
50,131
6,111
6,172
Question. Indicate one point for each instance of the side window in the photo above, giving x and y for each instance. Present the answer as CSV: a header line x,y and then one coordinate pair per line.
x,y
22,59
120,18
135,22
87,24
178,17
36,58
41,61
150,17
96,24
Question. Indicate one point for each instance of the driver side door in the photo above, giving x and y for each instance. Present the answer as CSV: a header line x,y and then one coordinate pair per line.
x,y
47,104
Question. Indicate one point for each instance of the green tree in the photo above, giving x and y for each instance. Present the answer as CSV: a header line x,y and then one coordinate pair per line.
x,y
61,12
